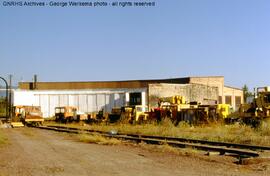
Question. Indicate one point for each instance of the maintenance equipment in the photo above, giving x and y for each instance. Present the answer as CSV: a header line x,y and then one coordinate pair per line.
x,y
67,114
129,114
140,114
223,110
115,114
27,115
177,109
258,110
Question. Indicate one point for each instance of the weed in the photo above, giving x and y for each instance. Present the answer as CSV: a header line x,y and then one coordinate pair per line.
x,y
165,148
264,129
98,139
53,170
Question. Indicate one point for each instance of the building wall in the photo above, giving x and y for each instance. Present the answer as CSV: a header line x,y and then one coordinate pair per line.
x,y
235,95
93,96
228,95
192,92
85,100
215,81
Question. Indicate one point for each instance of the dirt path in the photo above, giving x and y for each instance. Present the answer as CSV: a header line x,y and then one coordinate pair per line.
x,y
40,152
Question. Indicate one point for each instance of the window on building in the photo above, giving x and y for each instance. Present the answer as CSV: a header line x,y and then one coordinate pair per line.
x,y
228,100
237,101
135,98
220,99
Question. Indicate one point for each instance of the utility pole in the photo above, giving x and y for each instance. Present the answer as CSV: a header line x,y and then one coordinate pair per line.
x,y
10,95
7,105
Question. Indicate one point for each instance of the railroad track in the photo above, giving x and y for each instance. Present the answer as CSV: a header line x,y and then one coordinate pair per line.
x,y
240,150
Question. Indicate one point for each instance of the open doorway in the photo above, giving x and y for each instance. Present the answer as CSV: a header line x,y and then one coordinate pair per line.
x,y
135,98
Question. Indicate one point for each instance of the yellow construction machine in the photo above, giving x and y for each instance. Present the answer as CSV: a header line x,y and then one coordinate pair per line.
x,y
258,110
129,114
140,114
223,110
177,109
26,115
65,114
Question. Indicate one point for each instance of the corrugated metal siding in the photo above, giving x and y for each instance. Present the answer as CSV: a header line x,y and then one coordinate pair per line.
x,y
101,102
37,100
82,103
73,100
86,101
109,102
44,104
53,102
63,100
92,103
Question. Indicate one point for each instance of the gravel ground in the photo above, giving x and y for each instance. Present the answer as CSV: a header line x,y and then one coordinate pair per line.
x,y
40,152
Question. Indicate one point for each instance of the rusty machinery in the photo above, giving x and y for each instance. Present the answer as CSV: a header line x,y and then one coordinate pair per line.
x,y
258,110
28,115
177,109
66,114
129,114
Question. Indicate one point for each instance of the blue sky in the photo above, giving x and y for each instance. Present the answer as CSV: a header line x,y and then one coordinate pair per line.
x,y
176,38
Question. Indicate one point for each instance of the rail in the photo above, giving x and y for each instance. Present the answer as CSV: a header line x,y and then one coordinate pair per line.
x,y
214,143
241,150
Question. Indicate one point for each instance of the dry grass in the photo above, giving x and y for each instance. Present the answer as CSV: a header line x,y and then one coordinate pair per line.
x,y
165,148
216,132
98,139
3,139
53,170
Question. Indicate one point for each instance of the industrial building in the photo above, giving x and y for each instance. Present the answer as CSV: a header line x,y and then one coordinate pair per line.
x,y
104,95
